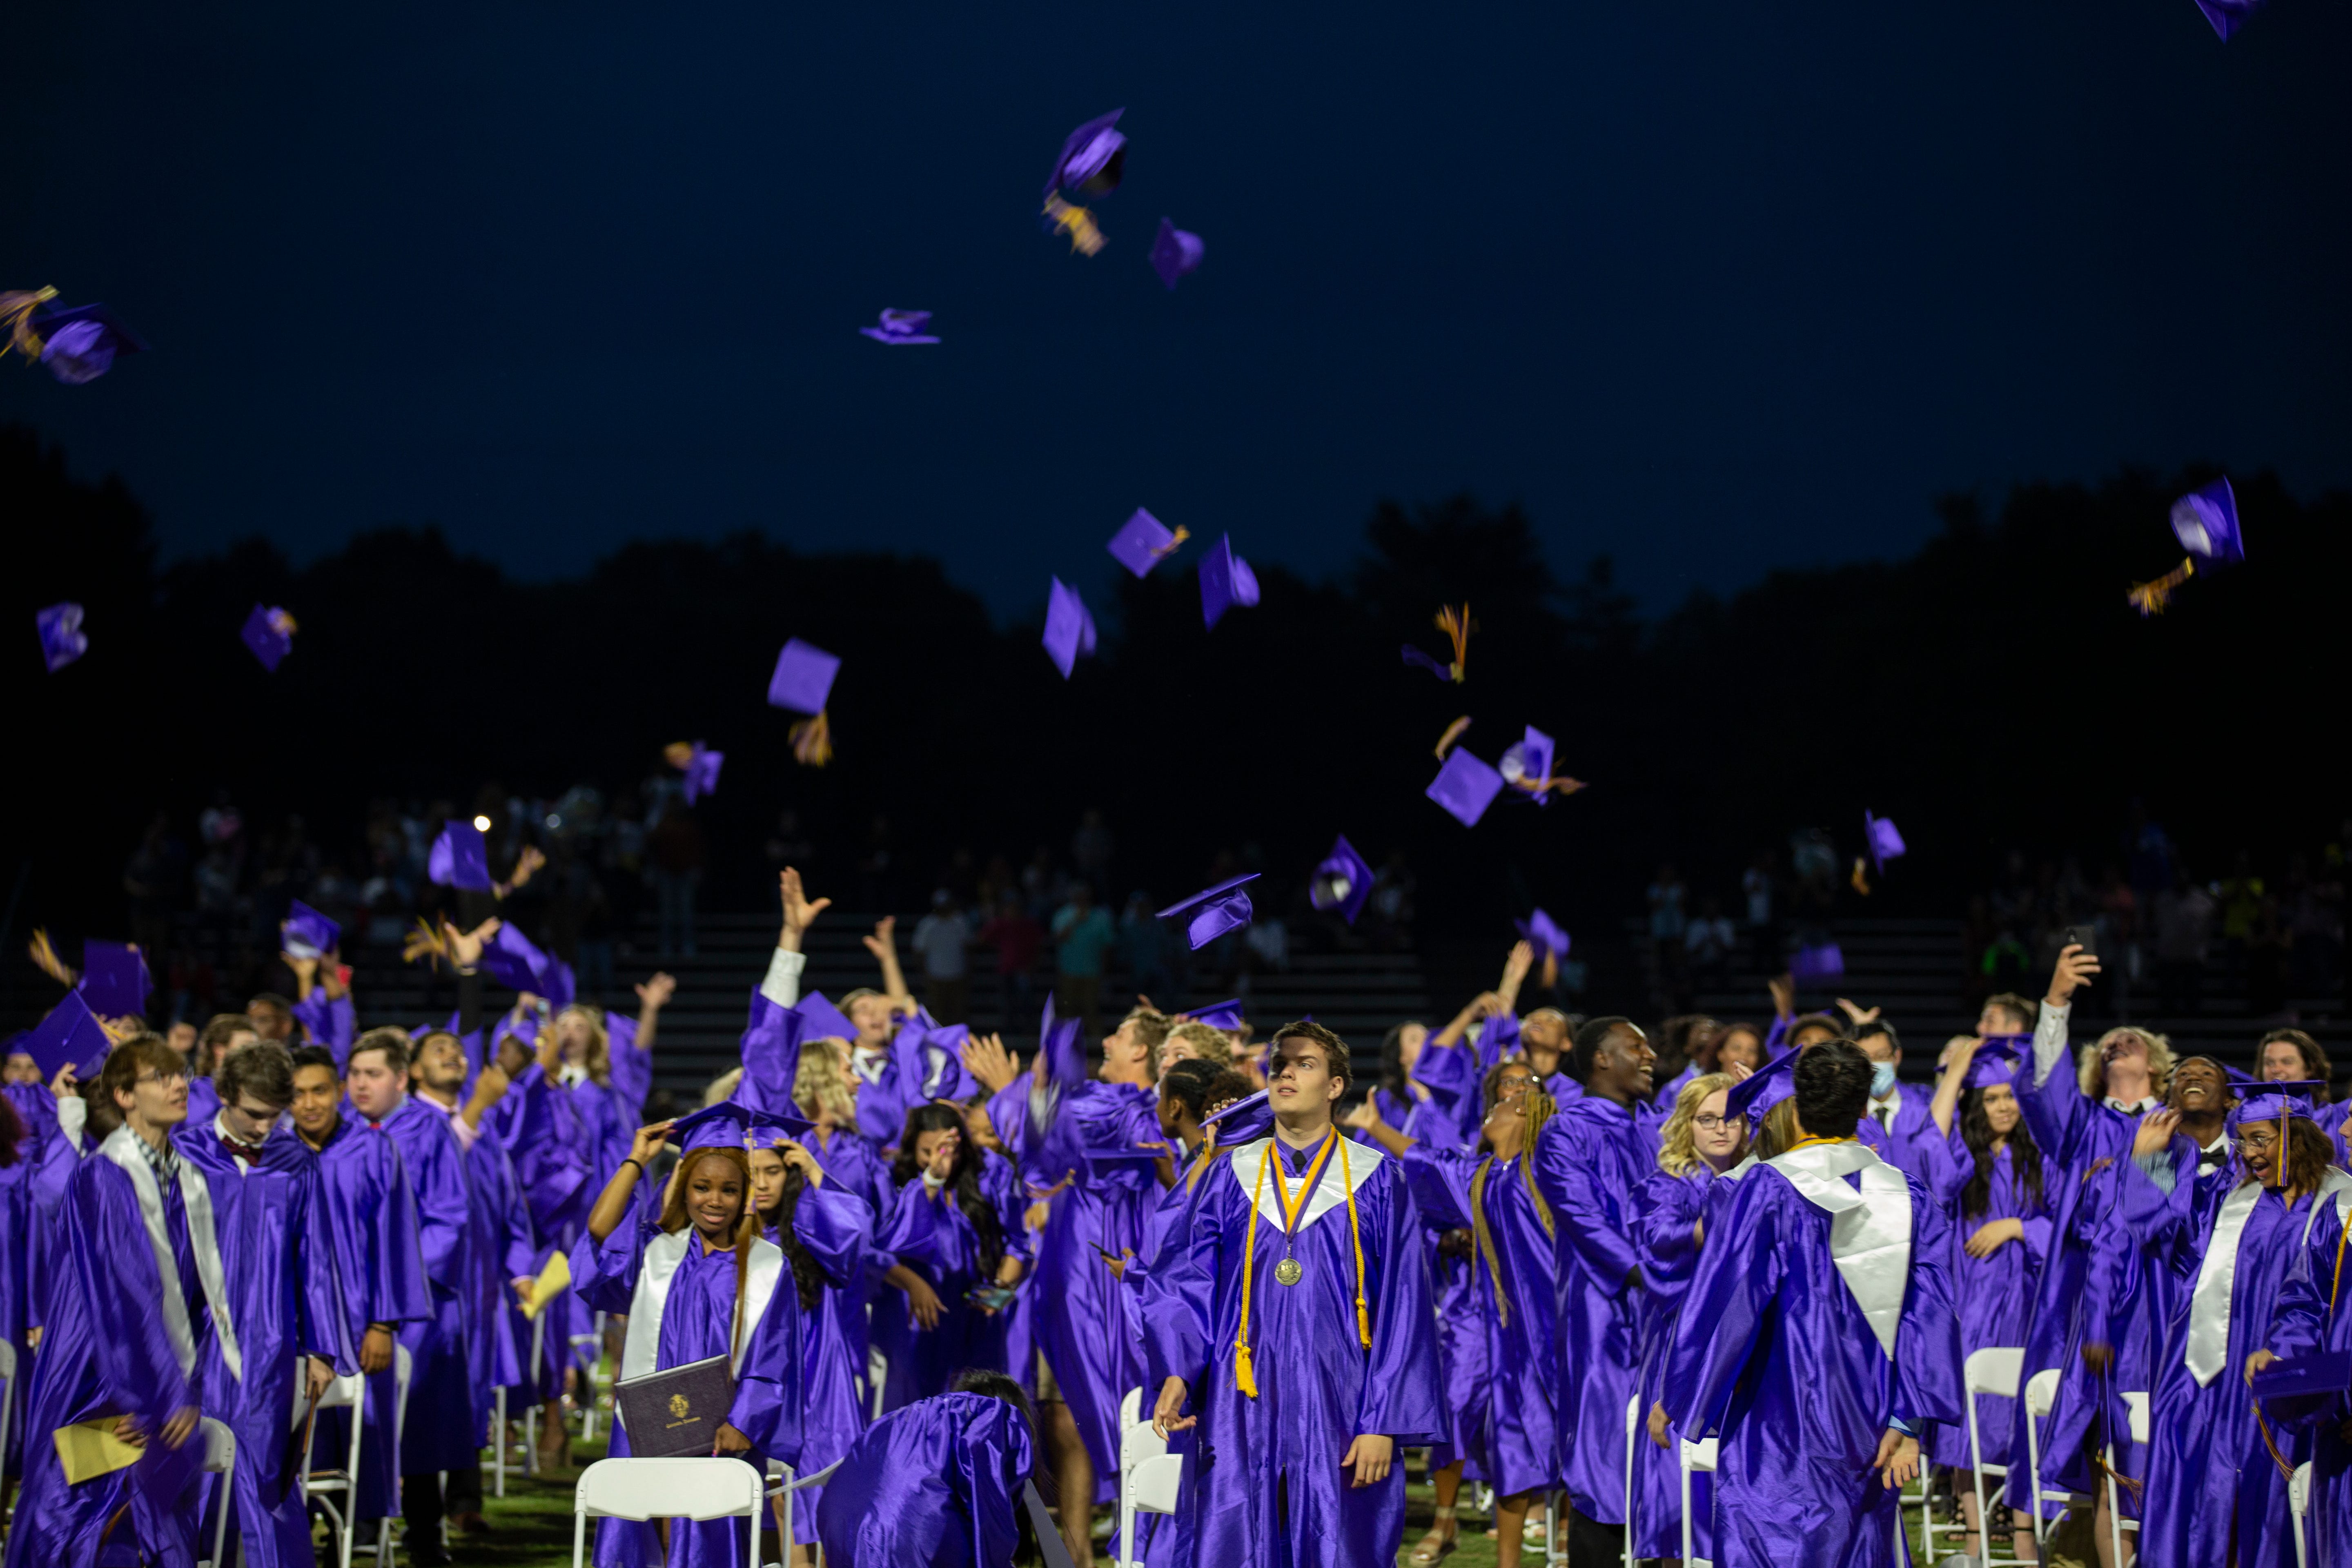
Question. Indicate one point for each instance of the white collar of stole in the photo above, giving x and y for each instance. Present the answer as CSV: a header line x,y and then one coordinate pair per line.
x,y
1870,1230
642,1345
196,1199
1331,1189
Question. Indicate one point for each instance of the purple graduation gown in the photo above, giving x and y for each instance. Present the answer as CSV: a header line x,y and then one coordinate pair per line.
x,y
1592,1160
1667,1234
1773,1353
130,1329
935,1238
681,1301
1995,1293
1511,1436
503,1248
2212,1487
938,1482
2313,1317
1318,1388
277,1261
27,1211
371,1217
442,1430
551,1150
837,1228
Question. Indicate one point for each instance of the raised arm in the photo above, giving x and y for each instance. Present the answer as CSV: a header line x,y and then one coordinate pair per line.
x,y
1947,1088
1366,1119
613,1203
652,997
1522,958
883,944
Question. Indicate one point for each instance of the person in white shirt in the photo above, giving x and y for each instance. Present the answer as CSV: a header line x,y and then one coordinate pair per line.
x,y
941,936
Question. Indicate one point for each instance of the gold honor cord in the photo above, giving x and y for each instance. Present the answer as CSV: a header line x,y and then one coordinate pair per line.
x,y
1244,1375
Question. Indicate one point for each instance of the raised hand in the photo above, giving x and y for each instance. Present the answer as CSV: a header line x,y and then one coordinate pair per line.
x,y
2154,1132
1857,1015
648,1142
1366,1116
2074,970
881,944
990,1064
657,991
943,1157
1784,995
797,1157
465,948
799,908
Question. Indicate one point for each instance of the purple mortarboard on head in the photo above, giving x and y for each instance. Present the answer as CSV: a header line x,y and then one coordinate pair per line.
x,y
1765,1087
114,979
821,1020
1464,786
1225,1016
2319,1372
308,934
1342,882
1543,934
1226,580
1529,759
1144,542
803,677
71,1033
1819,961
79,345
719,1126
62,640
1995,1063
901,327
2227,16
270,632
1252,1116
2275,1102
766,1129
2240,1081
1214,910
1069,630
1885,844
1175,252
460,857
1093,158
2206,524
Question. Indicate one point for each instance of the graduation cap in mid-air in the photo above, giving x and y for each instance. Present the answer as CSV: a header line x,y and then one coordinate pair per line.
x,y
1069,629
1213,911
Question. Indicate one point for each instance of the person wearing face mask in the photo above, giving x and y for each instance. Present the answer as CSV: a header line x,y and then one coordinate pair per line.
x,y
1907,1136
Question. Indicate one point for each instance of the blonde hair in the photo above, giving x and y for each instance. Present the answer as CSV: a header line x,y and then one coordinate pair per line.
x,y
1678,1140
2093,1066
821,1087
1538,1108
722,1088
1209,1043
1779,1131
598,1058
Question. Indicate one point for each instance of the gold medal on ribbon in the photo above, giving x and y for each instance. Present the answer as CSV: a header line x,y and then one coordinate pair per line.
x,y
1288,1271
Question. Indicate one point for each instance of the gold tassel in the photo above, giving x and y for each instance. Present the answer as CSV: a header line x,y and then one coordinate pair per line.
x,y
1077,222
423,942
1452,733
1355,1236
16,315
1860,879
678,754
2149,598
1244,1380
1179,537
1457,626
812,741
45,956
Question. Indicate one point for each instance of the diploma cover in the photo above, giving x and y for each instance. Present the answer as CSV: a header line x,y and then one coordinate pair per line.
x,y
676,1413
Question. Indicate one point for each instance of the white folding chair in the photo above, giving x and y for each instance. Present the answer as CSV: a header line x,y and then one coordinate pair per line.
x,y
342,1393
2299,1502
2135,1414
1130,1409
1698,1455
1633,1424
531,1412
220,1459
647,1489
1148,1479
404,1368
7,1389
1992,1370
2041,1394
782,1484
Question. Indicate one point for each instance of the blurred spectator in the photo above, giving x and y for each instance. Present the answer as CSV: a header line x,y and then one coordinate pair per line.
x,y
676,850
2314,924
788,846
1710,941
1090,852
1016,938
1039,883
2269,951
941,938
1083,936
1269,943
2184,923
877,880
1391,905
2117,923
1669,926
2240,899
1756,888
152,881
595,916
2151,858
1147,946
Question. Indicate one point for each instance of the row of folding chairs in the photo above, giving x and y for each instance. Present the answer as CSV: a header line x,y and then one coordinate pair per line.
x,y
697,1489
529,1461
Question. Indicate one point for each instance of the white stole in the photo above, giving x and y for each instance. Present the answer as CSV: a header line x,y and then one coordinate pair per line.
x,y
196,1198
1332,1187
1870,1230
2216,1276
641,1347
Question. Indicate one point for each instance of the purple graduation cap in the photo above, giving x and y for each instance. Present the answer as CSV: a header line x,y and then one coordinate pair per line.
x,y
803,677
1246,1117
114,979
1092,159
1175,252
71,1034
1069,630
1820,961
1995,1062
1762,1089
1414,656
1213,912
513,961
2206,524
720,1126
79,345
1225,1016
700,765
460,857
2320,1372
1527,763
1543,934
1226,580
2275,1102
1342,882
2228,16
307,933
270,632
62,640
1464,786
1885,844
901,327
1145,542
821,1020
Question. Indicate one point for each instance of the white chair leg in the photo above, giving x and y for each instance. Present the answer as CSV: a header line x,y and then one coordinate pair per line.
x,y
498,1442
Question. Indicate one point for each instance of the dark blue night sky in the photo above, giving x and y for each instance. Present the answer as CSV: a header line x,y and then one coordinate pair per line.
x,y
1712,286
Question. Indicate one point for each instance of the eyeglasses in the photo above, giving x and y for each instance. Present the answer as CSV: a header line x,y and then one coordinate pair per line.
x,y
163,1077
1706,1124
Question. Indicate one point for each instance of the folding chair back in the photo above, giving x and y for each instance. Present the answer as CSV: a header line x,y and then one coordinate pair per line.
x,y
643,1489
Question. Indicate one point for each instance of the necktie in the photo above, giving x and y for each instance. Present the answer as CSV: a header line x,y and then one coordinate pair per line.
x,y
248,1152
1886,1114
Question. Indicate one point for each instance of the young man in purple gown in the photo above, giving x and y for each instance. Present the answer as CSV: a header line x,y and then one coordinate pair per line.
x,y
1295,1319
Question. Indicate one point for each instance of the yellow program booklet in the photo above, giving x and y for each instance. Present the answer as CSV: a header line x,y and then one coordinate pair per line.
x,y
89,1448
552,1280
